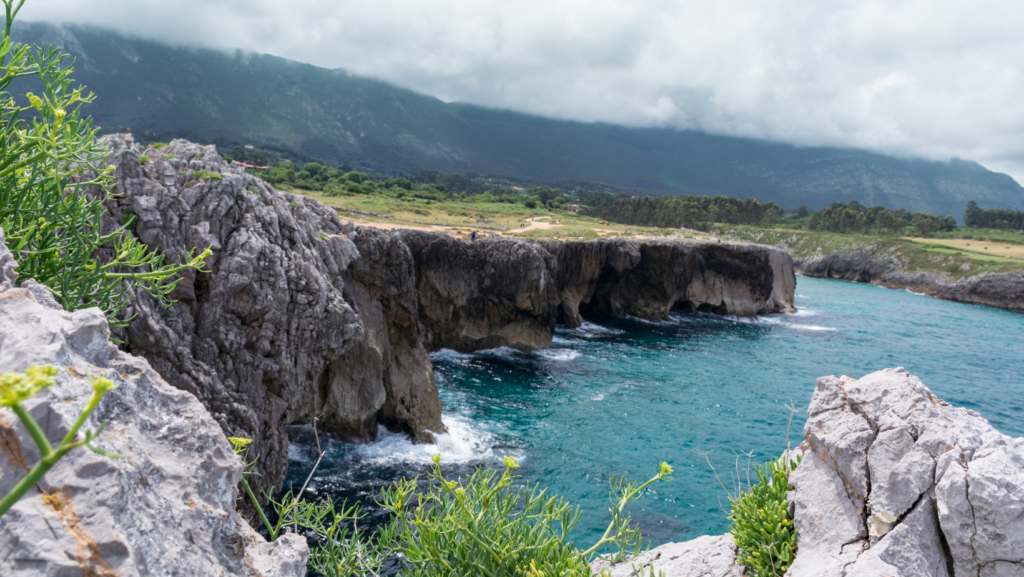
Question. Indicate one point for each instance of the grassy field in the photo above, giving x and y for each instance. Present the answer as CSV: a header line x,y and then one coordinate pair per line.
x,y
952,257
463,217
957,257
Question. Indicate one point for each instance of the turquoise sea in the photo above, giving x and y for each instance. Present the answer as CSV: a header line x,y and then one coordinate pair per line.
x,y
619,395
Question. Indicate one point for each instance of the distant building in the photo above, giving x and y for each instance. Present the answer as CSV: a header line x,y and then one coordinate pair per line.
x,y
573,207
248,147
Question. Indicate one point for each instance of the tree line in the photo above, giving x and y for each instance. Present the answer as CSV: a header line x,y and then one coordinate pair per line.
x,y
1004,219
696,212
853,217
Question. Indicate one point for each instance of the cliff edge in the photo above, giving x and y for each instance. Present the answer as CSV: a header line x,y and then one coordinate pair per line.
x,y
302,317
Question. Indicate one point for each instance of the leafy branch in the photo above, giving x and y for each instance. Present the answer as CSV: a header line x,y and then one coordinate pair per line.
x,y
54,188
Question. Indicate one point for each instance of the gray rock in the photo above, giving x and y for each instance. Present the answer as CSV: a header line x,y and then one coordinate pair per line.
x,y
386,376
938,478
913,548
825,514
166,508
268,337
707,556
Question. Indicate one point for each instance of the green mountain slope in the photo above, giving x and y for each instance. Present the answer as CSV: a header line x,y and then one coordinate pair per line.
x,y
343,118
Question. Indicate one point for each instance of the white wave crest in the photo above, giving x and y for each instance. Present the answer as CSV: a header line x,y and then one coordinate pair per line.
x,y
812,328
462,443
558,354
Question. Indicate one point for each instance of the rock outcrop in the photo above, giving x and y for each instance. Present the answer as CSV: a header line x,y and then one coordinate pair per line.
x,y
386,376
166,508
253,336
1005,291
893,481
896,481
707,556
302,317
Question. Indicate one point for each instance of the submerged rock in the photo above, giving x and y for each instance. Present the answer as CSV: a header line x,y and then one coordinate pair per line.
x,y
166,508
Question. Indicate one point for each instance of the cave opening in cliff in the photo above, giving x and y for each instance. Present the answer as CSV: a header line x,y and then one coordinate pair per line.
x,y
719,309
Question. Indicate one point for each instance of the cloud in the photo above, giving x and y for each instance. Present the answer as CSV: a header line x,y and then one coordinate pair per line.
x,y
934,78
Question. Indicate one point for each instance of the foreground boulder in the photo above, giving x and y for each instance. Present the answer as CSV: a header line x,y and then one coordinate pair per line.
x,y
893,482
896,481
166,508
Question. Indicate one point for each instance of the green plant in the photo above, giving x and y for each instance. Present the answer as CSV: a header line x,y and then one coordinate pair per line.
x,y
143,159
475,526
16,388
158,145
202,175
53,189
761,524
484,526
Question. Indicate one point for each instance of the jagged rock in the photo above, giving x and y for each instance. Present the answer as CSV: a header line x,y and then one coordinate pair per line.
x,y
386,375
264,338
490,293
253,335
707,556
166,508
894,477
871,265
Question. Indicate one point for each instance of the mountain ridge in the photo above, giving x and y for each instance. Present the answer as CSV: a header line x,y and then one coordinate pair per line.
x,y
349,119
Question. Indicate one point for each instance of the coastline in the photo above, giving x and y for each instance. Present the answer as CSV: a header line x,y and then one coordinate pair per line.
x,y
997,290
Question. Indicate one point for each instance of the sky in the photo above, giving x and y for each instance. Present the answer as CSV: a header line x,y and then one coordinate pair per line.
x,y
935,79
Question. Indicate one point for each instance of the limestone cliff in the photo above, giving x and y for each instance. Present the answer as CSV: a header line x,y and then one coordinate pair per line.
x,y
302,317
505,292
1005,291
167,507
386,376
251,337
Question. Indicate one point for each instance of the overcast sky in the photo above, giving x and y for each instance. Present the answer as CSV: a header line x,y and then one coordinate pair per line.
x,y
930,78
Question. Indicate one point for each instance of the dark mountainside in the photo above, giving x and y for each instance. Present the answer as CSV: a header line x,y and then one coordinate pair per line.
x,y
341,118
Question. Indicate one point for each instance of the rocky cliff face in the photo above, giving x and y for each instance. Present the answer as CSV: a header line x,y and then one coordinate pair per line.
x,y
893,481
386,376
166,508
251,337
301,317
505,292
1005,291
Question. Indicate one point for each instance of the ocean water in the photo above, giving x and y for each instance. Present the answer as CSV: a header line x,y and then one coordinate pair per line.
x,y
620,395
